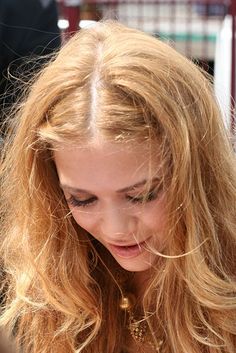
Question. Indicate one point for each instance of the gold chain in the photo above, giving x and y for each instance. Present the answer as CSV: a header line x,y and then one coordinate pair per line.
x,y
139,329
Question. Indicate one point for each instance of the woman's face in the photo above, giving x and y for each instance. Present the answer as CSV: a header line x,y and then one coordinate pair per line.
x,y
105,186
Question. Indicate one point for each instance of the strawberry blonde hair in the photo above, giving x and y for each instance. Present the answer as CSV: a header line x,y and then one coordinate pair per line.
x,y
60,295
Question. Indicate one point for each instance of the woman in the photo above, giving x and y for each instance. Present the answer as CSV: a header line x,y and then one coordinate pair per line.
x,y
118,204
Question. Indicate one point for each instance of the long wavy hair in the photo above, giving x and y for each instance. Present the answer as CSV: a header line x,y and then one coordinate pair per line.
x,y
61,290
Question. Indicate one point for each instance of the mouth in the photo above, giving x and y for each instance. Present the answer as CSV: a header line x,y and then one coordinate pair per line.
x,y
127,251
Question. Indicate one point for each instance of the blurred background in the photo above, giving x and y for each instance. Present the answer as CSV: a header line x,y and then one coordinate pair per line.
x,y
190,26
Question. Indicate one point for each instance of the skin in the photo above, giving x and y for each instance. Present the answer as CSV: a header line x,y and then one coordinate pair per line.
x,y
105,186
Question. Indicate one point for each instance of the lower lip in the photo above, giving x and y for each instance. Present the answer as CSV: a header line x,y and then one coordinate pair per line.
x,y
127,251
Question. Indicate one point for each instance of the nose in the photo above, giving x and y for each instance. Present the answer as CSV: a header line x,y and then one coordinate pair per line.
x,y
117,224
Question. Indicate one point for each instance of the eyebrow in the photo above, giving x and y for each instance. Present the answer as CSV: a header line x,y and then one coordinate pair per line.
x,y
126,189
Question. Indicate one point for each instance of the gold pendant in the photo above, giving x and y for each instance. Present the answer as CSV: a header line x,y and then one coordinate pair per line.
x,y
139,329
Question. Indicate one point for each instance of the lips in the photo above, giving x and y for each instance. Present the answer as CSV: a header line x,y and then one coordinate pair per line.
x,y
127,251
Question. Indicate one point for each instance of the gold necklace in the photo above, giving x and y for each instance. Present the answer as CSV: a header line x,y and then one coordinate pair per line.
x,y
139,329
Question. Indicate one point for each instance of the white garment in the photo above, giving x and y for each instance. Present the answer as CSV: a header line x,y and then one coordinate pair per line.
x,y
222,71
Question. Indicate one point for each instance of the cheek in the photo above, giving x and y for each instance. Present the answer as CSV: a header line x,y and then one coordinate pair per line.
x,y
156,216
84,219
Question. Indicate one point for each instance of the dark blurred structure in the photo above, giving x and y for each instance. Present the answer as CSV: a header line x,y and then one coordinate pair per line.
x,y
211,8
28,28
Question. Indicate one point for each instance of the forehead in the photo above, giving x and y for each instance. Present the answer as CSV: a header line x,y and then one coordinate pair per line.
x,y
106,165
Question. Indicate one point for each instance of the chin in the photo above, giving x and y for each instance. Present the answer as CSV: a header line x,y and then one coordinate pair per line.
x,y
135,265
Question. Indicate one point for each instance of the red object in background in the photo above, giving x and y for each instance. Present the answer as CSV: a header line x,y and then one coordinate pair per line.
x,y
71,13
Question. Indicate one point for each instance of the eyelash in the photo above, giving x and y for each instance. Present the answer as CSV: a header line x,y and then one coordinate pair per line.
x,y
77,203
151,196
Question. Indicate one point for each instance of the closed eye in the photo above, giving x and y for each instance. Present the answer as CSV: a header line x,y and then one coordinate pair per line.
x,y
140,198
74,202
152,195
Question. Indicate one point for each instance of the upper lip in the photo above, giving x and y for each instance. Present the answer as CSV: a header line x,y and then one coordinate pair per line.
x,y
124,245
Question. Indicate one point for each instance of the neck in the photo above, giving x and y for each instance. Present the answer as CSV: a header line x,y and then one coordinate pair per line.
x,y
140,282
